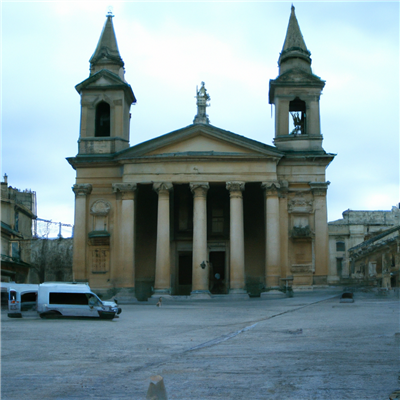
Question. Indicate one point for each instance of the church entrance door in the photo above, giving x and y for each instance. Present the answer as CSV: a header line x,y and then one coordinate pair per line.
x,y
217,273
185,273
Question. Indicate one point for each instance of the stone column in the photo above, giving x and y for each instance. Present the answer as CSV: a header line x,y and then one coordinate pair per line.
x,y
124,273
237,273
281,116
272,245
321,242
162,285
200,282
80,235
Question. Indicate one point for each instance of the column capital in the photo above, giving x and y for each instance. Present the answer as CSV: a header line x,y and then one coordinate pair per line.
x,y
235,186
124,187
271,187
82,189
199,189
319,188
127,190
162,187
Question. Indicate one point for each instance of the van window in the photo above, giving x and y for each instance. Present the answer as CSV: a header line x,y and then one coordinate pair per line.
x,y
28,297
13,295
69,298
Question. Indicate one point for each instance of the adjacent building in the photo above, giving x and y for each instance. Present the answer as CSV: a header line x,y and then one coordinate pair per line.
x,y
359,252
200,210
18,213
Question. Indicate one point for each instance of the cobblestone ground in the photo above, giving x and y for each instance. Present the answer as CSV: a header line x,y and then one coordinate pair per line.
x,y
310,346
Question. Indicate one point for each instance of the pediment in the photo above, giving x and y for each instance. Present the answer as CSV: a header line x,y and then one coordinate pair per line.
x,y
200,143
200,140
297,75
103,78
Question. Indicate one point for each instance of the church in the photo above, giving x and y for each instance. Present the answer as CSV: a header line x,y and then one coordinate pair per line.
x,y
200,211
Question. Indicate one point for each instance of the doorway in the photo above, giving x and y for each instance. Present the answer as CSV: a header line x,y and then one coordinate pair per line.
x,y
185,273
217,272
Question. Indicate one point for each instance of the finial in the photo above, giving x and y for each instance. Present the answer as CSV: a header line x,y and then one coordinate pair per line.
x,y
110,12
203,99
292,8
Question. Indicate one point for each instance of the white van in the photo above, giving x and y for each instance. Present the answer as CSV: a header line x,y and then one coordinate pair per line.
x,y
21,297
56,299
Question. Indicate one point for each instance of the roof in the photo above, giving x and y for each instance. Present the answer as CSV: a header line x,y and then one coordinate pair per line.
x,y
294,45
195,130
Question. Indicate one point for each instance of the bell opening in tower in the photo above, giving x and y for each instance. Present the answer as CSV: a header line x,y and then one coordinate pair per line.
x,y
297,119
102,128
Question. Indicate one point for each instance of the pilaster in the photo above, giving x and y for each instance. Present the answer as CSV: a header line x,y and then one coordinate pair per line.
x,y
272,260
124,273
321,241
80,232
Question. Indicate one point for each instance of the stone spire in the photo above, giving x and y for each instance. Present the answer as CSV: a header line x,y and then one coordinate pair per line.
x,y
106,55
202,103
294,52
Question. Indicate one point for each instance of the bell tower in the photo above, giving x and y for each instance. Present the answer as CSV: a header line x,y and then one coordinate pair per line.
x,y
106,99
296,93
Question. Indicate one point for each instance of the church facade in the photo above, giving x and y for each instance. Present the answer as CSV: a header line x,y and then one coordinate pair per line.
x,y
200,210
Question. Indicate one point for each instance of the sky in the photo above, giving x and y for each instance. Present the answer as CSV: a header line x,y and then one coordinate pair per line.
x,y
171,47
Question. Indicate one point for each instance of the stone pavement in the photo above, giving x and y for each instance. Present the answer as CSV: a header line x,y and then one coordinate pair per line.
x,y
309,346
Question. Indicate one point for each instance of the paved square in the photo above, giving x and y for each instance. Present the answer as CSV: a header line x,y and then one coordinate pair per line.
x,y
310,346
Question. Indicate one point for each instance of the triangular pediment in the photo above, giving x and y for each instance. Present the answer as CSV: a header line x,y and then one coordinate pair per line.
x,y
299,76
106,79
102,78
199,140
200,143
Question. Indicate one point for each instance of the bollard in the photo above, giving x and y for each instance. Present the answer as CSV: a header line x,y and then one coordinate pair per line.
x,y
157,389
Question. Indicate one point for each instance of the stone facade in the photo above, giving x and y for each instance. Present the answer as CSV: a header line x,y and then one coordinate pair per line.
x,y
18,211
200,210
378,259
354,229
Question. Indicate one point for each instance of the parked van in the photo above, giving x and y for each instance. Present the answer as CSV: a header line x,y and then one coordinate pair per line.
x,y
21,297
56,299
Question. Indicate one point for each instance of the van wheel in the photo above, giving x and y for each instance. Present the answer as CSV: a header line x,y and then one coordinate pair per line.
x,y
14,315
50,314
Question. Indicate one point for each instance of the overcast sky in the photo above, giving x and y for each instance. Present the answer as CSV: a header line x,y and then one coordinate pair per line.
x,y
169,48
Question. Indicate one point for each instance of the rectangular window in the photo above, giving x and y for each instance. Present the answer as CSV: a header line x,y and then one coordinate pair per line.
x,y
340,246
15,252
100,258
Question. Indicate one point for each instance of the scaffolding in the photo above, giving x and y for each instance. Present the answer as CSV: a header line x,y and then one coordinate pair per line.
x,y
43,228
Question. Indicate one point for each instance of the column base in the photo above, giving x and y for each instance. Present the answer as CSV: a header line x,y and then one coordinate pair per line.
x,y
161,292
157,296
200,295
272,294
333,279
238,294
126,296
164,296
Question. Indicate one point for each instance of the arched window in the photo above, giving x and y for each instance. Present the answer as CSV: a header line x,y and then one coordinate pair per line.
x,y
102,127
297,110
